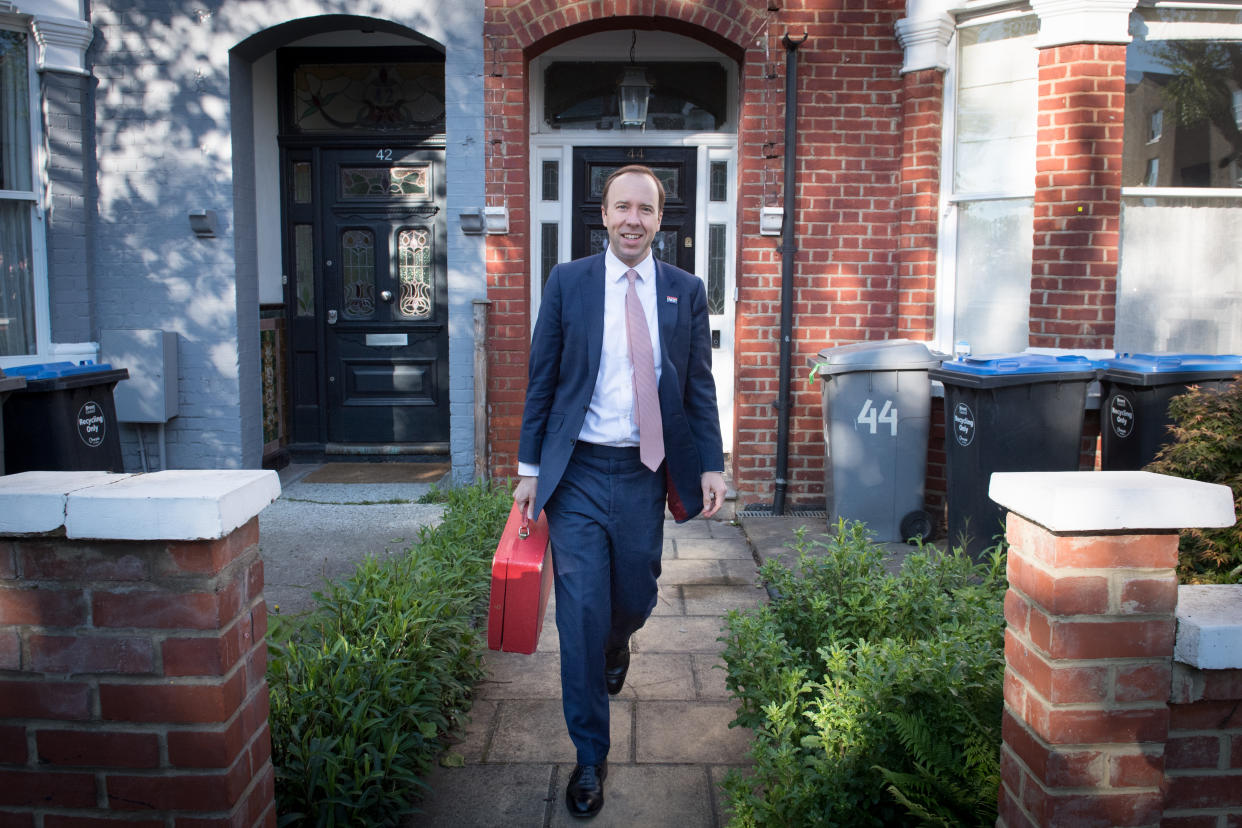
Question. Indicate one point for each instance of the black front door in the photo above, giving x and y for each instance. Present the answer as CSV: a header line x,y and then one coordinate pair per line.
x,y
675,167
380,317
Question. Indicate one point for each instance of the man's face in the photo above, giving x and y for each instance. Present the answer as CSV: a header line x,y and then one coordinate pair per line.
x,y
631,216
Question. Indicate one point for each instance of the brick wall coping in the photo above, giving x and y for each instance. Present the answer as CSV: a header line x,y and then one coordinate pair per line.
x,y
1104,501
165,505
1209,626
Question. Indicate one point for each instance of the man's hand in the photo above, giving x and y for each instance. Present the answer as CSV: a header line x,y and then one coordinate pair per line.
x,y
524,495
714,491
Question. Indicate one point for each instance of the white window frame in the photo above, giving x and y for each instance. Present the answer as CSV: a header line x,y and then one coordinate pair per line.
x,y
1190,30
944,317
38,196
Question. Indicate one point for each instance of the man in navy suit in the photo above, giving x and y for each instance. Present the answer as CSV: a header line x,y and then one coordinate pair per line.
x,y
580,457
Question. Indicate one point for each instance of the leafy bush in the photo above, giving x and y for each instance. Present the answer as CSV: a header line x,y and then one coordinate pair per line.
x,y
1207,446
874,697
363,687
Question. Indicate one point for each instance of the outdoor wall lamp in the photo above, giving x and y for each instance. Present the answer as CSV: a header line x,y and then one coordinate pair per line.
x,y
204,223
633,91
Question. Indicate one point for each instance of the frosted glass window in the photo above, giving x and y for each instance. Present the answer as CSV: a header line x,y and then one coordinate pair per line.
x,y
1179,286
716,243
996,107
992,304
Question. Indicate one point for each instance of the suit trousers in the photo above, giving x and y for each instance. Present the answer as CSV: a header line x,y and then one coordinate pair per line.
x,y
606,524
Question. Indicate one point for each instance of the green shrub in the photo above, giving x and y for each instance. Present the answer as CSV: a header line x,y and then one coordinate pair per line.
x,y
364,686
874,697
1207,446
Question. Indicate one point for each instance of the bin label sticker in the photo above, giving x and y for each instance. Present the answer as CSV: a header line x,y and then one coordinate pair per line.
x,y
92,427
963,424
1121,415
873,417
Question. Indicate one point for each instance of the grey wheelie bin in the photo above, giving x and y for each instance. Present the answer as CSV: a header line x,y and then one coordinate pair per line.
x,y
877,408
64,419
1003,413
1135,390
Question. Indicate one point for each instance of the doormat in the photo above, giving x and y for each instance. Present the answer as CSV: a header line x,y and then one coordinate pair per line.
x,y
378,473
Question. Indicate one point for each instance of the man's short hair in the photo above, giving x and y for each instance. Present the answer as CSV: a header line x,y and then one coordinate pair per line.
x,y
642,170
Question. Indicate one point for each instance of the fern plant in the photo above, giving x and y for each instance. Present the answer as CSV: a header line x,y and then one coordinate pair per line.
x,y
819,671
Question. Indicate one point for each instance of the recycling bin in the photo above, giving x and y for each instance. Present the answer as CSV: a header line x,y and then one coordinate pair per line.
x,y
1135,390
63,420
877,408
1004,413
8,384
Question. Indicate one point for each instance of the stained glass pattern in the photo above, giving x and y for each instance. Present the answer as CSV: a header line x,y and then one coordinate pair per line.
x,y
304,268
368,97
414,272
670,177
383,182
358,273
715,268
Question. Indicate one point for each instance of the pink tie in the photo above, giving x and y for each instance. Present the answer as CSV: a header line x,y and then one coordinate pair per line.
x,y
646,398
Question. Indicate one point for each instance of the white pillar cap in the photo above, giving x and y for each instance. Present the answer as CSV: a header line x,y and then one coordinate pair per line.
x,y
1108,501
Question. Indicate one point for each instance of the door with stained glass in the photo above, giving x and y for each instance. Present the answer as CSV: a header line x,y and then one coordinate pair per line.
x,y
384,318
676,168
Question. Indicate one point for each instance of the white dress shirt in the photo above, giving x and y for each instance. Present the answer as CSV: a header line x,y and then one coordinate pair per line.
x,y
610,418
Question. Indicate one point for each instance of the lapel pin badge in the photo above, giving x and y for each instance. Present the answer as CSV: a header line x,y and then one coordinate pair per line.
x,y
672,300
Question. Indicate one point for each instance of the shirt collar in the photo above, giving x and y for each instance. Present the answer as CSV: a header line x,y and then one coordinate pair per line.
x,y
615,268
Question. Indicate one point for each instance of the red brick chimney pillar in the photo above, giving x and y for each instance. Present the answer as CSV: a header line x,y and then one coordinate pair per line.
x,y
132,652
1089,644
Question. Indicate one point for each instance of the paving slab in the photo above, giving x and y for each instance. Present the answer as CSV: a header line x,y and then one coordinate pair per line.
x,y
533,730
667,676
521,676
486,796
732,547
686,634
709,677
648,795
689,571
690,529
692,732
717,599
471,736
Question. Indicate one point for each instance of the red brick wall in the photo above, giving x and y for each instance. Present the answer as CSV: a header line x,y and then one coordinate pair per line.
x,y
851,104
1078,195
133,682
1203,757
1101,727
1088,651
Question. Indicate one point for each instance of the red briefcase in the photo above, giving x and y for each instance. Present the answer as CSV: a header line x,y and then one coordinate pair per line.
x,y
521,580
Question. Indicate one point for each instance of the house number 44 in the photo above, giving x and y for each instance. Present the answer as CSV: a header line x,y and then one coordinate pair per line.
x,y
873,417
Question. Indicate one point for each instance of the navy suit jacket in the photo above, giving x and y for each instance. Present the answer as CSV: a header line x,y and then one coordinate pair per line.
x,y
564,363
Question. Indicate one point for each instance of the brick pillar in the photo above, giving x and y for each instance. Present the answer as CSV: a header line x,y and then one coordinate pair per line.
x,y
1090,638
132,651
1078,195
922,107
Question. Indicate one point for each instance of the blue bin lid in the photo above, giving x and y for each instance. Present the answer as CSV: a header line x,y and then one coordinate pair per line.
x,y
1175,363
996,365
56,370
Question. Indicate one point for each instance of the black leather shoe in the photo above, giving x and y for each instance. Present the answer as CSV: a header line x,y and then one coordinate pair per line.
x,y
616,665
584,795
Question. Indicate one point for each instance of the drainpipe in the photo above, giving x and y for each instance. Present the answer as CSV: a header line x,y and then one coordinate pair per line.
x,y
788,250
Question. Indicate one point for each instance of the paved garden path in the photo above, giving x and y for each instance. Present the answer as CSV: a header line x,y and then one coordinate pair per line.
x,y
671,740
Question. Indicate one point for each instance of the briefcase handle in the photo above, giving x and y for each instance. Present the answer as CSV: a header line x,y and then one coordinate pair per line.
x,y
524,529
